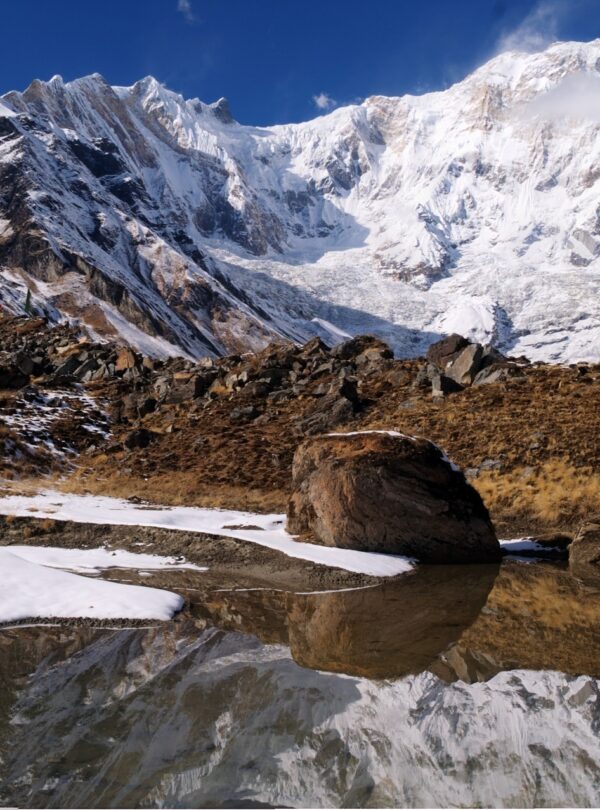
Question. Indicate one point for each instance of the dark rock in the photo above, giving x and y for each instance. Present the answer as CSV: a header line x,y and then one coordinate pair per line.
x,y
498,372
492,356
282,355
68,368
346,388
148,405
257,389
247,414
441,352
328,414
441,385
388,493
363,349
24,363
139,439
314,348
87,367
11,377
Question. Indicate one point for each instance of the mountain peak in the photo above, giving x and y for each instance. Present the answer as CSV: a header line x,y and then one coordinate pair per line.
x,y
222,111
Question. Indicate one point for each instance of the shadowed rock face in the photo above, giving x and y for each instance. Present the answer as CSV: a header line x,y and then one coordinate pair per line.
x,y
385,492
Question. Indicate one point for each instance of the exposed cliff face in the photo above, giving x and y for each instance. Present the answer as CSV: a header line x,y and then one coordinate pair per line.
x,y
470,210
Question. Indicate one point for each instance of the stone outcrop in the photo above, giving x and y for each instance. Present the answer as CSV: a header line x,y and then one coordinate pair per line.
x,y
386,492
465,365
444,350
456,362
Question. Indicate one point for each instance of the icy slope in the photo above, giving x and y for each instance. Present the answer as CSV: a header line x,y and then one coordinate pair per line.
x,y
472,209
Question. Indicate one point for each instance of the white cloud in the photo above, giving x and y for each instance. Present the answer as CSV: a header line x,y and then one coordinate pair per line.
x,y
536,31
575,97
185,7
324,101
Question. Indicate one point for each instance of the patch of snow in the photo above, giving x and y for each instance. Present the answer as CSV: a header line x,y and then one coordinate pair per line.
x,y
331,330
30,590
271,534
97,559
522,544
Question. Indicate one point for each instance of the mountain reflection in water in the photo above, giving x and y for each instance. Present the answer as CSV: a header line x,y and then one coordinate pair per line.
x,y
244,704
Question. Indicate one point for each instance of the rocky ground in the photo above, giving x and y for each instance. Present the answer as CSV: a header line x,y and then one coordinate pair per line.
x,y
223,432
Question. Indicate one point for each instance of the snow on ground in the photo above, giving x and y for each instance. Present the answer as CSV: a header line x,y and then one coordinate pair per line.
x,y
32,590
91,560
523,544
264,530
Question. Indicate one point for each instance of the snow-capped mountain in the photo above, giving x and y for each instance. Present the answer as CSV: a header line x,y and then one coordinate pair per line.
x,y
474,210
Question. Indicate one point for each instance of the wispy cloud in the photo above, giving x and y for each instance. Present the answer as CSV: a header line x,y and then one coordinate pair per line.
x,y
323,101
185,7
535,31
575,97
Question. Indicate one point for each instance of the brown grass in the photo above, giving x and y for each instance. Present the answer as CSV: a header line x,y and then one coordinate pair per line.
x,y
177,489
556,495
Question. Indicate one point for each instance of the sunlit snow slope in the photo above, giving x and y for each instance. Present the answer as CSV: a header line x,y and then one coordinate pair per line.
x,y
163,220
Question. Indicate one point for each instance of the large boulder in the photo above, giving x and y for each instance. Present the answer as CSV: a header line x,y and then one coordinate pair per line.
x,y
383,491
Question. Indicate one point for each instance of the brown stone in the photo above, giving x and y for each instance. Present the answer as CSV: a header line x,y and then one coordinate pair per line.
x,y
441,352
385,492
125,360
465,365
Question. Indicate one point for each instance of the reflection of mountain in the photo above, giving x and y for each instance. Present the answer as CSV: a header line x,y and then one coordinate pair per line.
x,y
181,715
180,718
33,649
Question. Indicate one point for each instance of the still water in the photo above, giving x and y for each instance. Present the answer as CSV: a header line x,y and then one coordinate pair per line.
x,y
453,686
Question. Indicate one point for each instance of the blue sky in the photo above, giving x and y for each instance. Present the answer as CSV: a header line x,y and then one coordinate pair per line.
x,y
278,61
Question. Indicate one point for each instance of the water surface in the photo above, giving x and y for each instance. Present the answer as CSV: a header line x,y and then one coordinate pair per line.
x,y
455,686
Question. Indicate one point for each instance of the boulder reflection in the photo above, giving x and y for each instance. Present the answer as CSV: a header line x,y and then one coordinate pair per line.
x,y
395,629
460,622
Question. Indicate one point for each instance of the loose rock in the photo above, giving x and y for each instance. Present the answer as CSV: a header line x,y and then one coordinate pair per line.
x,y
386,492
